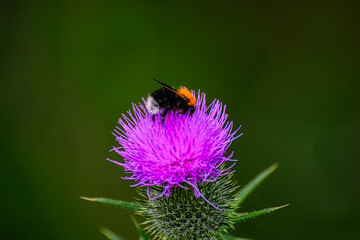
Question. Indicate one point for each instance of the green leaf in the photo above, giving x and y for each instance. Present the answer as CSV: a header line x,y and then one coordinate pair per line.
x,y
117,203
245,191
141,231
109,234
238,217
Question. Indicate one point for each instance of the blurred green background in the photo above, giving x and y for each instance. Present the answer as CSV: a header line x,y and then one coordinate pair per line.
x,y
287,70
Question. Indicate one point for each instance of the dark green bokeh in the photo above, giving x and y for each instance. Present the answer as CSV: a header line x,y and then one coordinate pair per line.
x,y
288,72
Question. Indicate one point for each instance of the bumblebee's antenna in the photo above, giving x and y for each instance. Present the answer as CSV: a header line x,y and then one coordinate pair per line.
x,y
164,84
170,88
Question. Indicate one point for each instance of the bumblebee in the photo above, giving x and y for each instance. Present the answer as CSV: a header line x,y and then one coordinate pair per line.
x,y
168,99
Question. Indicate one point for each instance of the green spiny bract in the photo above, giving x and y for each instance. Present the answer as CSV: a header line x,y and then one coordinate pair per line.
x,y
183,216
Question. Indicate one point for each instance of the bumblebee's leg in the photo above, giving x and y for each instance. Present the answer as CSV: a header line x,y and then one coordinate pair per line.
x,y
153,117
164,114
192,110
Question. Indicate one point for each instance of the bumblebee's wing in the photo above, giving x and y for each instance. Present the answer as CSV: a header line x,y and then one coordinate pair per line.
x,y
170,88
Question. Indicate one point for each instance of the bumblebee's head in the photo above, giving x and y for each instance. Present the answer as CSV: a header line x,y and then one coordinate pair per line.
x,y
191,101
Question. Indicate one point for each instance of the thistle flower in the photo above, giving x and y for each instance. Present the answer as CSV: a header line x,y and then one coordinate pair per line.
x,y
183,151
180,159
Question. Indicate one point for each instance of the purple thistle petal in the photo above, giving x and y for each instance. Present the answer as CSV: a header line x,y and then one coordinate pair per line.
x,y
183,149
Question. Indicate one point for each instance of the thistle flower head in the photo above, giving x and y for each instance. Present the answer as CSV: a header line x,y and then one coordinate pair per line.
x,y
183,151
